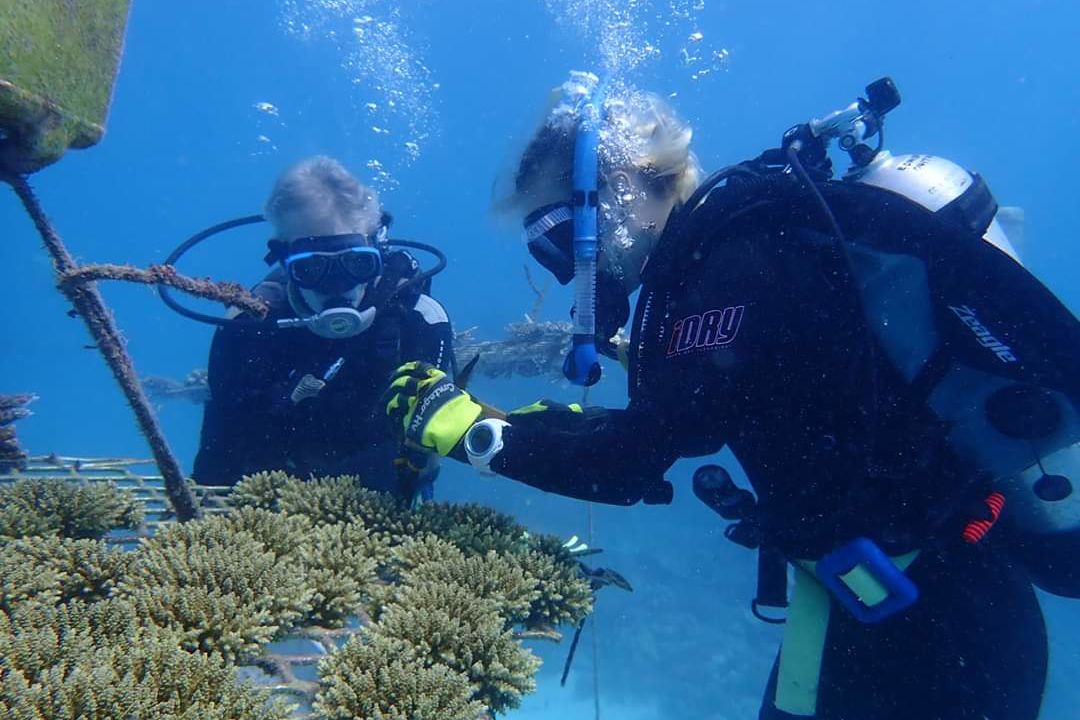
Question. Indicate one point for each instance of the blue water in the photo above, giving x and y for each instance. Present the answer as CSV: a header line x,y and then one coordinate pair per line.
x,y
989,85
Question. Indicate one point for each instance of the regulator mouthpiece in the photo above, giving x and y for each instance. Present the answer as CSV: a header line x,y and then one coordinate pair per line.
x,y
334,323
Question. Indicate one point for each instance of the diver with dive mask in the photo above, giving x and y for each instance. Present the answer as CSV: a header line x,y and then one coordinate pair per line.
x,y
306,402
899,390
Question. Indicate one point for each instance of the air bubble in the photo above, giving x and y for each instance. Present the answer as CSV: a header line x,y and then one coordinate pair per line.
x,y
379,60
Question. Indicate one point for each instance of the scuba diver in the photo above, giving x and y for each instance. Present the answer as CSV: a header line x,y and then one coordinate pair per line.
x,y
298,392
901,393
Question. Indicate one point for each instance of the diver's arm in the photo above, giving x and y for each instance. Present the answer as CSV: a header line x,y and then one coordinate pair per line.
x,y
429,337
611,456
616,457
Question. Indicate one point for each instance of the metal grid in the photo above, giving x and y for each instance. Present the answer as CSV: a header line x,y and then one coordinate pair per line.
x,y
138,476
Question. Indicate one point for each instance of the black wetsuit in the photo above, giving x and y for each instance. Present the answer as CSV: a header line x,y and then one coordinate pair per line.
x,y
250,423
758,342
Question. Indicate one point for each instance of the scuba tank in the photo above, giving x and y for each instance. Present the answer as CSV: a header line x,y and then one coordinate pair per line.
x,y
981,343
933,183
1000,360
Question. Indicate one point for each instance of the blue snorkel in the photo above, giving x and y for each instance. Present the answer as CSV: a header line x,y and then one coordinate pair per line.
x,y
582,363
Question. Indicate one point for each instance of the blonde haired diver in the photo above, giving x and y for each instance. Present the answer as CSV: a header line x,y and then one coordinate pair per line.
x,y
900,391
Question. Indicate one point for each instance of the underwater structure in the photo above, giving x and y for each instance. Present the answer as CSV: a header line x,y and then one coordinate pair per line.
x,y
58,66
132,594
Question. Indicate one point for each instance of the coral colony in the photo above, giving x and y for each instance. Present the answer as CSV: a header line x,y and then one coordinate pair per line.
x,y
414,614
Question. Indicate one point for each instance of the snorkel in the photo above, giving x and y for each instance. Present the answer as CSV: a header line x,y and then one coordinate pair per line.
x,y
582,363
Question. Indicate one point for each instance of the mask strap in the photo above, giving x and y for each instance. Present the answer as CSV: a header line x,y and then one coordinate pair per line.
x,y
277,250
545,223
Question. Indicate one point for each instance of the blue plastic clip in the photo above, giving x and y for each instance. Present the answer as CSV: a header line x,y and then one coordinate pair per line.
x,y
866,581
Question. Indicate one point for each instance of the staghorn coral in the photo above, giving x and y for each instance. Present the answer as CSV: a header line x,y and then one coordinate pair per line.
x,y
25,584
520,566
379,678
323,501
220,588
260,490
564,595
343,499
17,521
340,567
474,528
423,550
40,506
79,569
96,662
447,624
281,534
493,577
446,584
552,545
414,552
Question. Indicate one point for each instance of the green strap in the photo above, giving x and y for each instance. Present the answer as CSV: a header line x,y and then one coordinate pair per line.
x,y
807,623
804,644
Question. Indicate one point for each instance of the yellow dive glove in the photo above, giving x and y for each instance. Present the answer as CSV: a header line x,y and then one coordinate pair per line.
x,y
431,411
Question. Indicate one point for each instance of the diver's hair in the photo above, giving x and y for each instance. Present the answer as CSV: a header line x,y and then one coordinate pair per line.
x,y
318,196
641,132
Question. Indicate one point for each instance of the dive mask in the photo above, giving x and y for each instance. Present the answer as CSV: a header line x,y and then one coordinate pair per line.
x,y
549,232
322,264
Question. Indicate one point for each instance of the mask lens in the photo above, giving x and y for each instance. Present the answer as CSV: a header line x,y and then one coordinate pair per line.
x,y
308,269
362,264
351,266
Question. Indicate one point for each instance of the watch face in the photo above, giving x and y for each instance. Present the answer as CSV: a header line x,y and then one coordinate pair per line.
x,y
479,440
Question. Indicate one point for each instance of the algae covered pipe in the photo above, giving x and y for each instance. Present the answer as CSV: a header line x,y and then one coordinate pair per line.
x,y
90,306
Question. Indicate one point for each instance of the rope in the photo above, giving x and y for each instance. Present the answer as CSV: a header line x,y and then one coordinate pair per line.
x,y
230,293
594,634
91,307
594,641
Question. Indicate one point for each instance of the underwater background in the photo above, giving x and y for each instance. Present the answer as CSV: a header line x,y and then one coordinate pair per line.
x,y
431,101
